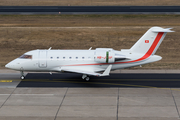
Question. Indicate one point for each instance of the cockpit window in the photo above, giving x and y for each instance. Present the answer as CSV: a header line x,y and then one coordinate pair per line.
x,y
26,57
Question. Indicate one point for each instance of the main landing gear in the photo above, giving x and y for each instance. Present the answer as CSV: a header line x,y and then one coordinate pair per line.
x,y
22,75
85,77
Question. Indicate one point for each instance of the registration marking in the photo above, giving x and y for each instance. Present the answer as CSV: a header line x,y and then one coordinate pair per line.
x,y
5,80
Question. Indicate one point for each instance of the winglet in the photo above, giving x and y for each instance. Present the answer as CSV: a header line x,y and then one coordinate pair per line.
x,y
107,71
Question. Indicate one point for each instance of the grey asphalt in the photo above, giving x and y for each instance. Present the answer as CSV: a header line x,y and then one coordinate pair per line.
x,y
129,95
114,80
90,9
70,103
118,78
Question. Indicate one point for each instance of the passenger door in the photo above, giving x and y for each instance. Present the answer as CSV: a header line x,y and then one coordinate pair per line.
x,y
42,58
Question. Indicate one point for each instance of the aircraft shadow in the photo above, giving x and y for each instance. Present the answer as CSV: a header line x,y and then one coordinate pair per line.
x,y
114,80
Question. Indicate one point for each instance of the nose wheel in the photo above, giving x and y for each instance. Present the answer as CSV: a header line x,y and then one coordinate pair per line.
x,y
85,77
22,75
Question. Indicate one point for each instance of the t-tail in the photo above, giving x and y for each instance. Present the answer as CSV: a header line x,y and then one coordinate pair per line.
x,y
150,41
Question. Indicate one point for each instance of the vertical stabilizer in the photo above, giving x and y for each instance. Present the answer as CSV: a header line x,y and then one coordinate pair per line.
x,y
150,41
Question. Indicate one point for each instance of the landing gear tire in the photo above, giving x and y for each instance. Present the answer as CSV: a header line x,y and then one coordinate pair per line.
x,y
22,77
84,77
87,78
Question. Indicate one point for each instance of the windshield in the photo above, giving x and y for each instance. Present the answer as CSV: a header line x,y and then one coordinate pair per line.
x,y
26,56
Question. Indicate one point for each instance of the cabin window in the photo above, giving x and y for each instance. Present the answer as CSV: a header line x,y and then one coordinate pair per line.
x,y
63,57
51,57
82,57
57,57
76,57
26,56
70,57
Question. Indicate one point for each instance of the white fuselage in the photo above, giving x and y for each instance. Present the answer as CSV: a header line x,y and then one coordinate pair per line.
x,y
53,60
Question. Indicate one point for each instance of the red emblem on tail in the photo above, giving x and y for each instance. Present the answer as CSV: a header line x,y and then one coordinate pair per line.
x,y
146,41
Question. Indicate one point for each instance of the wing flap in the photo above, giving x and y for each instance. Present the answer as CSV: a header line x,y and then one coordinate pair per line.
x,y
79,71
105,73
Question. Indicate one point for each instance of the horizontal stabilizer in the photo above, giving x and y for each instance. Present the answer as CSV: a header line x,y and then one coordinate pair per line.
x,y
162,30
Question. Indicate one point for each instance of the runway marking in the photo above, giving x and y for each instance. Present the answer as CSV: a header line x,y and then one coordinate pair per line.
x,y
30,94
5,80
34,94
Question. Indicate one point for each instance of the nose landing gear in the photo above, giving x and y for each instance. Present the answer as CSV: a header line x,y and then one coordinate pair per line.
x,y
22,75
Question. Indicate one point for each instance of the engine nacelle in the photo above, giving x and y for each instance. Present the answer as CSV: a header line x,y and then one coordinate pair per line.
x,y
104,55
107,55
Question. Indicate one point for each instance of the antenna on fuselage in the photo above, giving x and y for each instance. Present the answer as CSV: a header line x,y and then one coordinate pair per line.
x,y
90,48
50,48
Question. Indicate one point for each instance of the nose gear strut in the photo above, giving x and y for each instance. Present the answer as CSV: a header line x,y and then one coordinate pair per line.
x,y
22,75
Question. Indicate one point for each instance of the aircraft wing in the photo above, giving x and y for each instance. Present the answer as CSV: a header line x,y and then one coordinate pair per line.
x,y
105,73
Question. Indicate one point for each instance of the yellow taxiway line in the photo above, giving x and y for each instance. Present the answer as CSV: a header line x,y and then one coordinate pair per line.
x,y
5,80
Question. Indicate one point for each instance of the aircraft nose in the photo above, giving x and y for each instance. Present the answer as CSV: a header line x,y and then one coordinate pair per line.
x,y
7,65
11,65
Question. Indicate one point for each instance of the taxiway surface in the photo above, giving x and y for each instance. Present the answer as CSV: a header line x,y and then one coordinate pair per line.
x,y
124,96
139,80
89,9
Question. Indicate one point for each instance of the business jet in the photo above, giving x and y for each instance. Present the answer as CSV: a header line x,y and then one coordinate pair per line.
x,y
98,62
